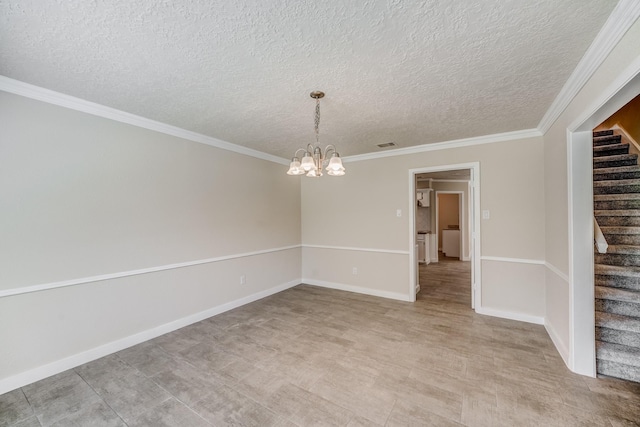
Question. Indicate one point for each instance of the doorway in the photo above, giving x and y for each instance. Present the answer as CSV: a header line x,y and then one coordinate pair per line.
x,y
462,182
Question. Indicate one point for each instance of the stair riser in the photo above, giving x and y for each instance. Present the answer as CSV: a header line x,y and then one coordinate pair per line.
x,y
604,221
625,260
611,151
616,175
623,239
623,308
620,282
617,189
618,370
616,204
630,339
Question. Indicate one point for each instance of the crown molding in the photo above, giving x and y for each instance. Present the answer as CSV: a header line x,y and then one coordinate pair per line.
x,y
456,143
624,15
56,98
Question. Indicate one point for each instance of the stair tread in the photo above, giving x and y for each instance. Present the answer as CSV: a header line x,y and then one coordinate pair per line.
x,y
621,196
616,294
624,249
618,353
619,229
614,182
614,270
616,212
617,322
617,169
613,146
614,157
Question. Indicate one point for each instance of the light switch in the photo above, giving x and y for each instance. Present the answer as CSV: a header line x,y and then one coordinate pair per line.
x,y
486,215
399,213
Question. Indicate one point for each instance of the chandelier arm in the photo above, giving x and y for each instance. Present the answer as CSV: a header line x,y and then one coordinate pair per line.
x,y
299,149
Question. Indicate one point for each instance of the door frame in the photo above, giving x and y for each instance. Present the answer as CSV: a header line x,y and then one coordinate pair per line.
x,y
474,231
582,356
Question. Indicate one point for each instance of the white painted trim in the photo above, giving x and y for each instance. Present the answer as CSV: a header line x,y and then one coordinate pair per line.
x,y
626,135
449,180
359,290
474,232
556,271
348,248
621,19
41,372
560,346
516,260
84,280
622,90
446,145
521,317
45,95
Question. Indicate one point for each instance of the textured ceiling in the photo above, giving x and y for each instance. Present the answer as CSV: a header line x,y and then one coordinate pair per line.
x,y
411,72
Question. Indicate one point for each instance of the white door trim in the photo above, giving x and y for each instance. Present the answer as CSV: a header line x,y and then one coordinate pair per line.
x,y
474,232
580,181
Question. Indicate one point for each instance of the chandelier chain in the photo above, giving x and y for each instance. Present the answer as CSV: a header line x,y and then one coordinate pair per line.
x,y
317,120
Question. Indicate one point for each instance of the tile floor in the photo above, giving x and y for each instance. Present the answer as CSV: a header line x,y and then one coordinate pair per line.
x,y
311,356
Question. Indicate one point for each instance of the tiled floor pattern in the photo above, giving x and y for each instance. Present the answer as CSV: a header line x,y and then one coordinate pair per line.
x,y
311,356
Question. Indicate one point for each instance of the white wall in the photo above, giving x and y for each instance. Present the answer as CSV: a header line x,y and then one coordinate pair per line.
x,y
358,212
83,196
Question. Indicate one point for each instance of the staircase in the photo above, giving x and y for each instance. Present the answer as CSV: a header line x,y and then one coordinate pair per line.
x,y
616,194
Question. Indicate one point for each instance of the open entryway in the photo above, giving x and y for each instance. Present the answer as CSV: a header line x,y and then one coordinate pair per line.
x,y
444,230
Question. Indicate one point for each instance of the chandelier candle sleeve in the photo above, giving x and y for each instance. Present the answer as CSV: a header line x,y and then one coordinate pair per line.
x,y
314,159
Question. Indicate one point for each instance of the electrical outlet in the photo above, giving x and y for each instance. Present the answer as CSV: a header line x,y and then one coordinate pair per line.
x,y
243,279
354,271
486,214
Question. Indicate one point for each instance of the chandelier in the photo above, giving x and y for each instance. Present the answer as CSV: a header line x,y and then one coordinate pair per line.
x,y
314,158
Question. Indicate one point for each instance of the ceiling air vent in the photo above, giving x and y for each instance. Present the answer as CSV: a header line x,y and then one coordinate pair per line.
x,y
387,145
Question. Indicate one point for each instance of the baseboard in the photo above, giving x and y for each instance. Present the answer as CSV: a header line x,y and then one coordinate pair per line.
x,y
560,346
521,317
41,372
358,290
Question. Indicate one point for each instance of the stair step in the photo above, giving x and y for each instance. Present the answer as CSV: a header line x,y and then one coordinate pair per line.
x,y
618,353
616,186
625,260
623,249
620,230
605,213
605,132
618,370
611,149
606,140
618,220
627,201
617,277
617,322
621,308
615,161
605,292
622,172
